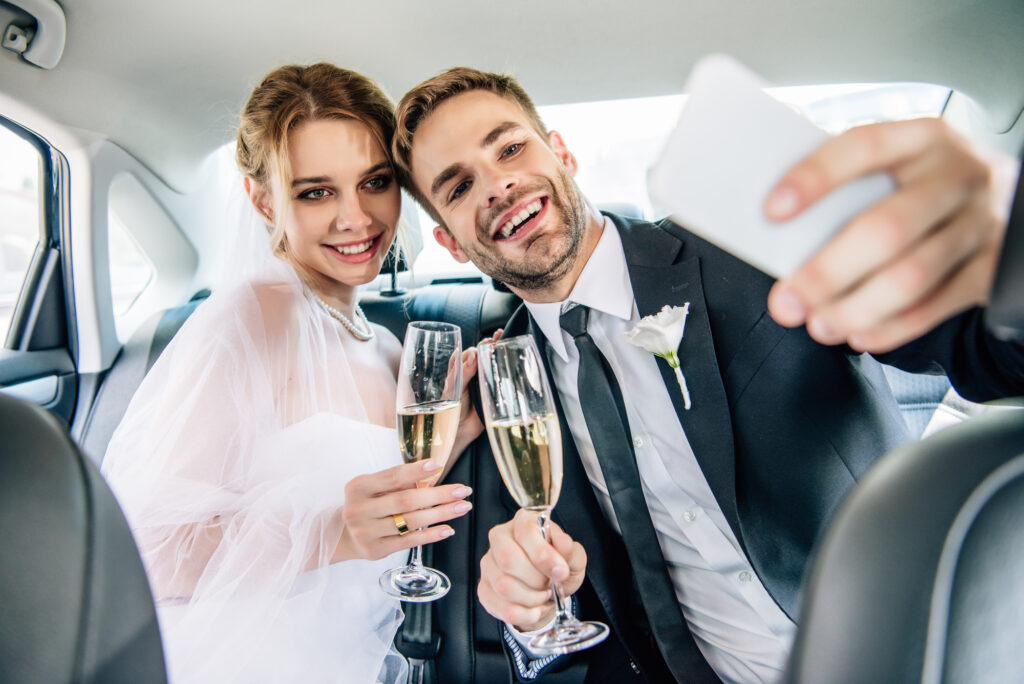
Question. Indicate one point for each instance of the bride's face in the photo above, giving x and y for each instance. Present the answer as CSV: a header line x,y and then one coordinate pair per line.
x,y
344,202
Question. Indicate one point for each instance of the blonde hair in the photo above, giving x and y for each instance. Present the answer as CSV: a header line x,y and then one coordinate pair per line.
x,y
292,95
417,104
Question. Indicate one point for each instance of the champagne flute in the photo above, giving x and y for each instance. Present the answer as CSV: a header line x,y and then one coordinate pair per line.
x,y
526,439
428,406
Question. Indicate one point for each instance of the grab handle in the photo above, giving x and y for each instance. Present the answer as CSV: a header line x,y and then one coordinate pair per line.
x,y
45,46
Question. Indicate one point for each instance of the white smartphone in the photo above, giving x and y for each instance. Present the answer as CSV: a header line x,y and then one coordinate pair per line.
x,y
732,144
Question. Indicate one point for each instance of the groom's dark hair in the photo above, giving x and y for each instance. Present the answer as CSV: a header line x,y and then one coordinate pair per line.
x,y
417,104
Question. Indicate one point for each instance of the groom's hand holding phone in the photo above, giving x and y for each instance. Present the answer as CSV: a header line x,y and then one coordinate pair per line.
x,y
517,570
470,425
875,235
905,264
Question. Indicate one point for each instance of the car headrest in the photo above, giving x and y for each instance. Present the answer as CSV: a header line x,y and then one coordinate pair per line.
x,y
75,604
478,309
919,576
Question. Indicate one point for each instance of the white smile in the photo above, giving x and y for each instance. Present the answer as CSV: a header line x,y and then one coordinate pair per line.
x,y
352,249
529,210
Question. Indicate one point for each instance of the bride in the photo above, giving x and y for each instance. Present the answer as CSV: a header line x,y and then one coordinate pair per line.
x,y
257,462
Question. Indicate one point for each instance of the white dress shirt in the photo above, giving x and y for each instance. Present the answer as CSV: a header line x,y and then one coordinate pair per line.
x,y
738,627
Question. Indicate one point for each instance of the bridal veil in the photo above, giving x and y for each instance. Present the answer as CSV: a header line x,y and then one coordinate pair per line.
x,y
231,464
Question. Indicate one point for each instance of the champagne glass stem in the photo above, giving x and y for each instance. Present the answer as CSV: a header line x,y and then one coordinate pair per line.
x,y
561,614
414,557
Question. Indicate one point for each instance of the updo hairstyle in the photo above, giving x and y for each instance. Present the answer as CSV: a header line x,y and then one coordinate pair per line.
x,y
290,96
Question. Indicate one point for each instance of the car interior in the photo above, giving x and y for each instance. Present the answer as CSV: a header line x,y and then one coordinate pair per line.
x,y
117,121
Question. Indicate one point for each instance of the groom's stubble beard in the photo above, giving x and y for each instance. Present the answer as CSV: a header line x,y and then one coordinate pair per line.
x,y
535,272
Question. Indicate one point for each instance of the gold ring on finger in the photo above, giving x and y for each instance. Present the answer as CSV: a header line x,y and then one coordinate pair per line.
x,y
399,519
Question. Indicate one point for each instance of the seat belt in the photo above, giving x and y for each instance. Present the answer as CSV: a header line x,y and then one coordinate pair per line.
x,y
416,639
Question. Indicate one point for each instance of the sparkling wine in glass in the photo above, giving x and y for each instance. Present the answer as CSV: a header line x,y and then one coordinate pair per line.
x,y
428,406
526,439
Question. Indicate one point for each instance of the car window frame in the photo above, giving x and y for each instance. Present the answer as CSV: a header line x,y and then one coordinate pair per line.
x,y
37,358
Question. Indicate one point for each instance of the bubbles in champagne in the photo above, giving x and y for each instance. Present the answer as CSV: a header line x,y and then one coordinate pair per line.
x,y
529,457
428,431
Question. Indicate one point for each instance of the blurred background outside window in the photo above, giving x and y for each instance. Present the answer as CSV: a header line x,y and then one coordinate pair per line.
x,y
20,218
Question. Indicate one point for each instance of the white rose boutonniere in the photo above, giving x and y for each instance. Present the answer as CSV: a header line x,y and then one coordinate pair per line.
x,y
661,334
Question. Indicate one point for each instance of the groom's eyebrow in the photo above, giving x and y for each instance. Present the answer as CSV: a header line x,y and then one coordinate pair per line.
x,y
455,169
499,130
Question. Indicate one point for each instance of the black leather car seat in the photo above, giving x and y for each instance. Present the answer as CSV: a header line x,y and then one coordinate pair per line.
x,y
75,605
920,578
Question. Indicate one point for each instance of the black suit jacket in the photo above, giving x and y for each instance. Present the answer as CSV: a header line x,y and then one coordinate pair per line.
x,y
781,426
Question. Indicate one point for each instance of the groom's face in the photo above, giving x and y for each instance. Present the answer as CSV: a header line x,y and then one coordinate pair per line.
x,y
504,191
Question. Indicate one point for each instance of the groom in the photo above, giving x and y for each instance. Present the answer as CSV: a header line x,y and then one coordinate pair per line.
x,y
688,530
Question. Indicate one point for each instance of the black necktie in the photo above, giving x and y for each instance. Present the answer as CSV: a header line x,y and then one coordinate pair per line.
x,y
605,416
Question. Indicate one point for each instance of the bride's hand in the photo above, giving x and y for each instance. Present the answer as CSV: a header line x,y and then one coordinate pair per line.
x,y
373,500
470,426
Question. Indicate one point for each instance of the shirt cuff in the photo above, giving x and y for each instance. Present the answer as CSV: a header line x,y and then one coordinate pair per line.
x,y
528,663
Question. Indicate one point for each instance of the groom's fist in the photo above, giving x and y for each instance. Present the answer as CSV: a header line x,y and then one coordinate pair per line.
x,y
517,570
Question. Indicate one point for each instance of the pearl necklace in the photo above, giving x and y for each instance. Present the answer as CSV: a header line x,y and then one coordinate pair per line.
x,y
347,323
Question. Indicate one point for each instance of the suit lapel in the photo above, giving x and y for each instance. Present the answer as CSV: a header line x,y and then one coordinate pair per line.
x,y
658,279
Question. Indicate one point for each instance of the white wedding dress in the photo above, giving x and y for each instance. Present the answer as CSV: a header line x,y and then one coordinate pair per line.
x,y
231,464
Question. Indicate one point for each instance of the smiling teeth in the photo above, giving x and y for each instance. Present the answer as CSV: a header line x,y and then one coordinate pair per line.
x,y
353,249
530,209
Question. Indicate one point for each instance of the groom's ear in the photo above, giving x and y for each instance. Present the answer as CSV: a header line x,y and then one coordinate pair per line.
x,y
447,240
259,197
562,152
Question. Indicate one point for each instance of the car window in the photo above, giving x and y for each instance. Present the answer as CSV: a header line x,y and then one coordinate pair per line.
x,y
20,217
130,270
617,141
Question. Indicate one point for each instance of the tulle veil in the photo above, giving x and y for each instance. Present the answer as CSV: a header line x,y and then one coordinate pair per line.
x,y
231,463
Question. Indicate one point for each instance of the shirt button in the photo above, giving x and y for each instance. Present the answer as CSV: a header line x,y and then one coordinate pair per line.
x,y
638,442
689,516
746,576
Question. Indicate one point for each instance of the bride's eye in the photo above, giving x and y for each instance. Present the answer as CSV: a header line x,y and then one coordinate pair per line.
x,y
378,183
314,194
